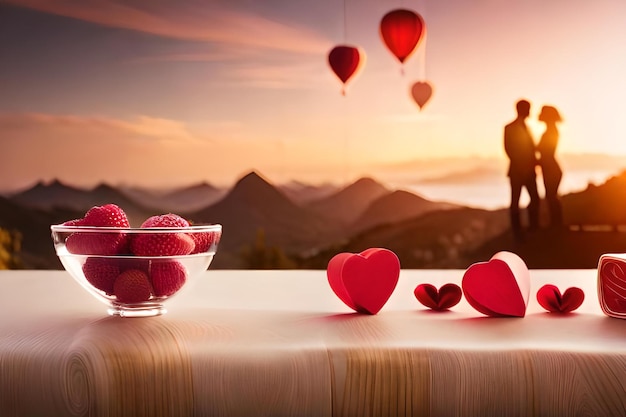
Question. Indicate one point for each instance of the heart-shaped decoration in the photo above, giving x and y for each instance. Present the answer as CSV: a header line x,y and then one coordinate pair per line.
x,y
612,285
445,298
550,298
499,287
421,92
364,281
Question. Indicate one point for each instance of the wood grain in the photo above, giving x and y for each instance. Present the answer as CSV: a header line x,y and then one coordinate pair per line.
x,y
262,382
268,356
128,367
380,382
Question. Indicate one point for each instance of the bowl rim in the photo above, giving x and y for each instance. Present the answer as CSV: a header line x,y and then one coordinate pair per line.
x,y
196,228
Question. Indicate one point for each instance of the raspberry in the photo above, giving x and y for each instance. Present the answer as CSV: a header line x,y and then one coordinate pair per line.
x,y
108,215
101,273
97,243
165,220
163,244
132,286
114,243
204,240
167,277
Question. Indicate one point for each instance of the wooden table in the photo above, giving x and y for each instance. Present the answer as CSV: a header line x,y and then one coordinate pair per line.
x,y
279,343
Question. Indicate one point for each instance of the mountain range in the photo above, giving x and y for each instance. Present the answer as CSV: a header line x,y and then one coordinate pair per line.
x,y
308,224
193,197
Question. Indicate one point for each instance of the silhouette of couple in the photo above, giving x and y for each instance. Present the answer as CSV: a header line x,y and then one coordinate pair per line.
x,y
524,157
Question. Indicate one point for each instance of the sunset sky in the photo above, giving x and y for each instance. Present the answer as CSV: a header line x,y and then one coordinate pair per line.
x,y
162,93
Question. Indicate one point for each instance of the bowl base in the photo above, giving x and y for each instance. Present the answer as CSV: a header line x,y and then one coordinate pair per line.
x,y
147,311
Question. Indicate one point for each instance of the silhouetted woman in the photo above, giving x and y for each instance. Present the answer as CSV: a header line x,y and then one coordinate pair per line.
x,y
550,168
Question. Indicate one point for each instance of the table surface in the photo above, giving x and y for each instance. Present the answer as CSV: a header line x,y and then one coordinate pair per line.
x,y
281,343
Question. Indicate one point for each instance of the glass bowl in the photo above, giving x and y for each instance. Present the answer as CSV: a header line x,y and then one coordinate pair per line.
x,y
135,270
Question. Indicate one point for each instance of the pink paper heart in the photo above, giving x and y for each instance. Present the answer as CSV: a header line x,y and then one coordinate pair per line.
x,y
445,298
499,287
364,281
550,298
612,285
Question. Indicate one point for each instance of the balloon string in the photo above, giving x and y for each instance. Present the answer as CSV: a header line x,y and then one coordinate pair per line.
x,y
345,22
422,53
423,46
346,145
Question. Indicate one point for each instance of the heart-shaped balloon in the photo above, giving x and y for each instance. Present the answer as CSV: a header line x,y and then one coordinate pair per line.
x,y
612,285
421,92
445,298
364,281
550,298
499,287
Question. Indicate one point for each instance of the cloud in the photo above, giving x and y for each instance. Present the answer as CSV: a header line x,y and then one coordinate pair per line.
x,y
204,21
186,57
161,129
86,150
252,67
303,75
93,127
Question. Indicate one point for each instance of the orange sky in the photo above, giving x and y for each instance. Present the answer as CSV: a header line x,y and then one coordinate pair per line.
x,y
165,93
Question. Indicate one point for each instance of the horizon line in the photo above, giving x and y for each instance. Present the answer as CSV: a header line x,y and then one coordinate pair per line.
x,y
293,178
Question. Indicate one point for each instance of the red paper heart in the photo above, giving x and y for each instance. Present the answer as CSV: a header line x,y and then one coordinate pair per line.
x,y
446,297
364,281
500,287
550,298
612,285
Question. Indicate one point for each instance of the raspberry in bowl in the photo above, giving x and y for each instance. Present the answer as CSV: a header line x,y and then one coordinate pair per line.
x,y
134,270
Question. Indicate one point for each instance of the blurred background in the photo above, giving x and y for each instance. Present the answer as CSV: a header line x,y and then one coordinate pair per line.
x,y
230,112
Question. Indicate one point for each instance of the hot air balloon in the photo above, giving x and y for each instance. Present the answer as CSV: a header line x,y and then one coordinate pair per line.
x,y
401,31
421,92
345,60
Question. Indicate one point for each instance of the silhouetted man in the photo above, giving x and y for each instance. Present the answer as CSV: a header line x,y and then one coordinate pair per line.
x,y
520,148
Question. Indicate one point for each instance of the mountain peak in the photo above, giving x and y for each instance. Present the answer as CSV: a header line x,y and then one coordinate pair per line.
x,y
103,187
366,181
253,204
56,183
349,202
252,188
251,178
366,184
47,185
396,206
